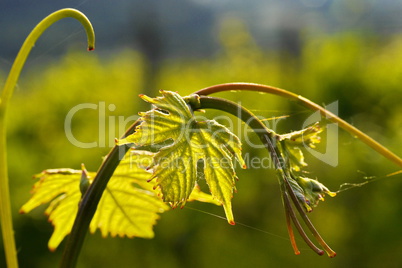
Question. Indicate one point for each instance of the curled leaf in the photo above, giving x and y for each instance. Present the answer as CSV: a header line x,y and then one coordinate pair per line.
x,y
309,191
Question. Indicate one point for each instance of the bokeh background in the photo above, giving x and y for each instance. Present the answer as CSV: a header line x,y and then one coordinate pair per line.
x,y
325,50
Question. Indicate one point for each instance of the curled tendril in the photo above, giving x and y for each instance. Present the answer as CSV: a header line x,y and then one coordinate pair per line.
x,y
5,210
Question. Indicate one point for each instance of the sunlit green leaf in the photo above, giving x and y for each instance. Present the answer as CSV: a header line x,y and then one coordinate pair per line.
x,y
129,205
61,187
175,165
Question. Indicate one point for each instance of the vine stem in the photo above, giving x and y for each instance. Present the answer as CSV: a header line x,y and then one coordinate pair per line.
x,y
90,201
5,204
309,104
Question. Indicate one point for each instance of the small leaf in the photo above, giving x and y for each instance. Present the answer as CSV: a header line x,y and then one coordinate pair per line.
x,y
312,192
308,136
294,141
296,157
308,191
175,165
198,195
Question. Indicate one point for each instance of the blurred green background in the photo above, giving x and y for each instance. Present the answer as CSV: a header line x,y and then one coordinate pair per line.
x,y
324,50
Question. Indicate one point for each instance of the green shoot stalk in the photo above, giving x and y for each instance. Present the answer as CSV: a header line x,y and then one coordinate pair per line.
x,y
90,201
5,204
309,104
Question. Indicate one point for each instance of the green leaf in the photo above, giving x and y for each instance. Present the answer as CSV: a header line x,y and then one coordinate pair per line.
x,y
129,206
61,187
175,165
